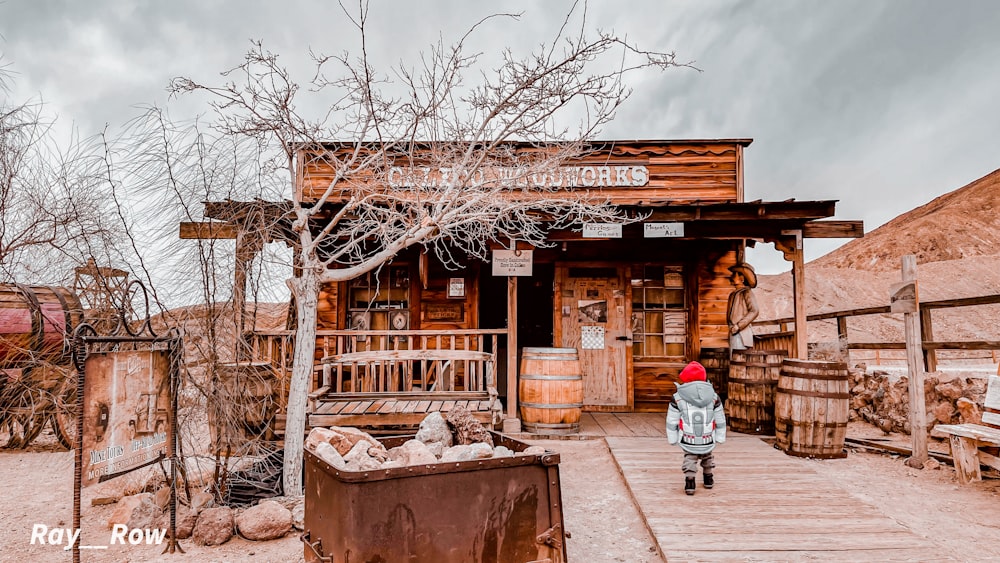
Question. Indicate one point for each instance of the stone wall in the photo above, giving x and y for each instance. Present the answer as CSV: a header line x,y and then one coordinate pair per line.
x,y
882,398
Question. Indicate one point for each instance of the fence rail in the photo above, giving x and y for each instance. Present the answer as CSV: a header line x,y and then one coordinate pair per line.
x,y
277,346
784,336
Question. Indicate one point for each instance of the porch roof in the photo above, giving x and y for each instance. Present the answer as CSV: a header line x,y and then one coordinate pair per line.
x,y
751,219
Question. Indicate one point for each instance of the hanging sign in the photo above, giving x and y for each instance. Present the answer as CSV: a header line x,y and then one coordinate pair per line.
x,y
602,230
663,230
126,412
456,288
512,262
991,402
903,297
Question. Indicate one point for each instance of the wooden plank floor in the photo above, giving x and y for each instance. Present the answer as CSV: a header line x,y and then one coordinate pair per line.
x,y
765,506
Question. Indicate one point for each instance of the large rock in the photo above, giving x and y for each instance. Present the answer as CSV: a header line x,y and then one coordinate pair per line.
x,y
200,500
329,454
185,521
144,515
467,452
267,520
466,428
358,458
214,526
434,428
346,437
296,505
412,452
319,435
122,513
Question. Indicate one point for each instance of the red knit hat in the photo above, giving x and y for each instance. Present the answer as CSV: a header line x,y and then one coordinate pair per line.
x,y
693,372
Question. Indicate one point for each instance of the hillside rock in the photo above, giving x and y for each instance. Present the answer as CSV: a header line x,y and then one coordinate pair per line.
x,y
960,224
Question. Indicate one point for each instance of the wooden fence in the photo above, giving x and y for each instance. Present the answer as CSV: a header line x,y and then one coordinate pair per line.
x,y
784,337
276,346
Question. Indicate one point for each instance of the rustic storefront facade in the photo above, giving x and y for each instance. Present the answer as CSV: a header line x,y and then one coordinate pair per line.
x,y
637,301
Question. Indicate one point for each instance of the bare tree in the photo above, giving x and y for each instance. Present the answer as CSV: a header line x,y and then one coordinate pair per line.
x,y
486,134
53,209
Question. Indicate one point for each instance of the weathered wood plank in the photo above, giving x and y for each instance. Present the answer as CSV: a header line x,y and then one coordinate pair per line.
x,y
611,425
799,516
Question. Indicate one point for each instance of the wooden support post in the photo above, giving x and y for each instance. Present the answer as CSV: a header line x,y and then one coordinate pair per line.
x,y
512,367
927,335
790,245
842,341
914,362
963,451
799,300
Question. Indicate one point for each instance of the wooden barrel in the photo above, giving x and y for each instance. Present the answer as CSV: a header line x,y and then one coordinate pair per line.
x,y
753,376
551,390
812,404
36,324
716,363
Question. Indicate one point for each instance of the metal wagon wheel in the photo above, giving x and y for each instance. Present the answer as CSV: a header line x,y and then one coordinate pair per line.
x,y
64,415
23,414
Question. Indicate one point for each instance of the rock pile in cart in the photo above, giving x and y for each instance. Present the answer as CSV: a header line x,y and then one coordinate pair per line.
x,y
460,437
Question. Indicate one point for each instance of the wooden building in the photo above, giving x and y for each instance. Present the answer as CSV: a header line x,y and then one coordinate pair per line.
x,y
638,301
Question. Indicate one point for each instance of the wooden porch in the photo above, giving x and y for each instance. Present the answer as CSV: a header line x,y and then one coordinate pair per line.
x,y
766,506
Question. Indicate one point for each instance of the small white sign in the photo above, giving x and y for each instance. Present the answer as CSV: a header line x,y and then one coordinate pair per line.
x,y
512,262
456,288
903,297
992,398
602,230
663,230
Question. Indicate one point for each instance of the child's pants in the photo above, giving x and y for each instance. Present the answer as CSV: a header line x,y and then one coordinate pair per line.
x,y
691,461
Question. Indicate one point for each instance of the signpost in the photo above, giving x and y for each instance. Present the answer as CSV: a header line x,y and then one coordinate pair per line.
x,y
904,298
127,401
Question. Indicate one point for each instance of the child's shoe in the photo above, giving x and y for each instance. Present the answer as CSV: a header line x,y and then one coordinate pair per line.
x,y
709,480
689,485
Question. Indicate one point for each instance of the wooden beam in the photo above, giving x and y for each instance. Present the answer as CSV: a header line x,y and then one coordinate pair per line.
x,y
207,230
915,369
512,367
833,229
801,350
926,335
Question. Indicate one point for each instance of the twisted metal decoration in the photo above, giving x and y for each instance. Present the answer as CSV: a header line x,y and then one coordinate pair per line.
x,y
123,334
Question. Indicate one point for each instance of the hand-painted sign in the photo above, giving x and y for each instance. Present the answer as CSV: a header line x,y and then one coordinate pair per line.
x,y
602,230
663,230
903,297
512,262
126,412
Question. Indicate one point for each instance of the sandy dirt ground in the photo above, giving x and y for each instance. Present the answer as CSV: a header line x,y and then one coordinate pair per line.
x,y
601,518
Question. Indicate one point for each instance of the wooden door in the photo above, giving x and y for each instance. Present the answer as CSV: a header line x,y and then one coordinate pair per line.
x,y
592,316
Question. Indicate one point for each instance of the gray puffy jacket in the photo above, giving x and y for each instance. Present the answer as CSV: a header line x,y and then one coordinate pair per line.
x,y
695,418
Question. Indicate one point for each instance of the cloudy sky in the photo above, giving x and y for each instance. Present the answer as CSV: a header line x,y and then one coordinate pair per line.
x,y
882,105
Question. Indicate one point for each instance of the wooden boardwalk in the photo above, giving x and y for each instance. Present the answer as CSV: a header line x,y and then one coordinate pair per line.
x,y
766,506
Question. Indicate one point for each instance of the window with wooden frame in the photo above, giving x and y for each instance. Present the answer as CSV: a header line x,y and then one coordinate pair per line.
x,y
380,300
659,312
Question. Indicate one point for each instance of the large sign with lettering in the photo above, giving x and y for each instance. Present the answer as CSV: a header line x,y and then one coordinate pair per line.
x,y
520,177
126,412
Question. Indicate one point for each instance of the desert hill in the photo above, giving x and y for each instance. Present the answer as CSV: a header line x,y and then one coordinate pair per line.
x,y
960,224
956,238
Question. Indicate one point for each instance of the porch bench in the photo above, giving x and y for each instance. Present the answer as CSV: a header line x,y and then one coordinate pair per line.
x,y
967,441
398,388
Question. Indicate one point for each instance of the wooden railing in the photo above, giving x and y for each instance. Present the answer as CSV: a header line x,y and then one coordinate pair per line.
x,y
276,347
403,371
783,338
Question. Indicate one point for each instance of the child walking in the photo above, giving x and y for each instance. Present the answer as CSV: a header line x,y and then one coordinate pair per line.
x,y
696,421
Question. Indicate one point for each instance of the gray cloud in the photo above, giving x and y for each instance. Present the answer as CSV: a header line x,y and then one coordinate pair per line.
x,y
881,105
